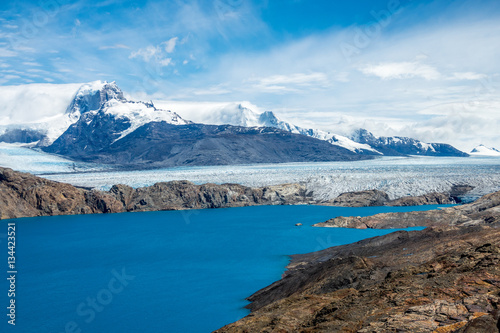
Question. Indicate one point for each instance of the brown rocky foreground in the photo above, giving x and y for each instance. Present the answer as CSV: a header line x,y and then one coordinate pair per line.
x,y
25,195
445,278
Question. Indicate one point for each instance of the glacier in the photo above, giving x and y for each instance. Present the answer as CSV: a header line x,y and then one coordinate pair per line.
x,y
21,158
398,176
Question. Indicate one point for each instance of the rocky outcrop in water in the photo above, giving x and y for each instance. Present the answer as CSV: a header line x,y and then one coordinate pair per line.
x,y
485,210
445,278
361,199
379,198
426,199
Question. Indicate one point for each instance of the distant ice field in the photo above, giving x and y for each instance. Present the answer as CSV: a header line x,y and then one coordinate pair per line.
x,y
398,176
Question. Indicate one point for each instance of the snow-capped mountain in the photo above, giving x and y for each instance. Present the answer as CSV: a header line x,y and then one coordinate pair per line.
x,y
269,119
482,150
100,124
101,101
239,114
91,100
110,129
360,141
394,146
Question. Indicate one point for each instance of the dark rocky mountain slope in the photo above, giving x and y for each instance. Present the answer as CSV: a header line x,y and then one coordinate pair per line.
x,y
159,144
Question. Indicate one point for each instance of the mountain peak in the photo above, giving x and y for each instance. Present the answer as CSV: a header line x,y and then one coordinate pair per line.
x,y
93,95
485,151
268,119
361,135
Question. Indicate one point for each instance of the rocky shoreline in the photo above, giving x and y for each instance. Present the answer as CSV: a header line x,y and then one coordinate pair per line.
x,y
445,278
26,195
484,210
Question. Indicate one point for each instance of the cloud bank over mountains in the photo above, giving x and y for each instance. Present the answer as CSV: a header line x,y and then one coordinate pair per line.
x,y
414,68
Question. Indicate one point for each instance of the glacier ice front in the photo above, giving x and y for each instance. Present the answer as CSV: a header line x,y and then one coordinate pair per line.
x,y
398,176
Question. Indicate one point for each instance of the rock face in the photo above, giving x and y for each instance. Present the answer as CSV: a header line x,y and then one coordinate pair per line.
x,y
361,199
379,198
427,199
485,210
25,195
177,195
441,279
458,192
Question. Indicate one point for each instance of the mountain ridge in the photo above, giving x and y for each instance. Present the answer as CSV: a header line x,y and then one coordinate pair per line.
x,y
99,117
160,144
241,115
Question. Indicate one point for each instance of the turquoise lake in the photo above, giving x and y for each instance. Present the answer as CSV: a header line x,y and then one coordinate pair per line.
x,y
177,271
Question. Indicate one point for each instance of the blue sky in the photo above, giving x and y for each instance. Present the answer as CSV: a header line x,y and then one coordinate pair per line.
x,y
420,68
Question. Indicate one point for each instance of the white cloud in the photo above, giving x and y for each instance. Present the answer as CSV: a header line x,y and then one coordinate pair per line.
x,y
156,53
216,113
23,48
34,102
215,90
146,53
467,76
342,77
31,63
7,53
464,125
113,47
401,70
165,62
11,77
297,78
170,44
290,82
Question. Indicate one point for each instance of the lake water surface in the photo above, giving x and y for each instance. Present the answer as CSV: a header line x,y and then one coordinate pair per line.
x,y
178,271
